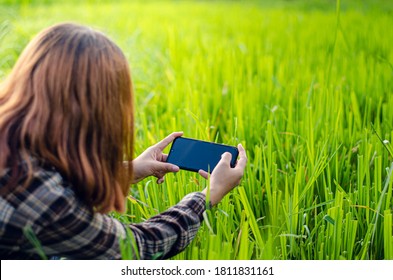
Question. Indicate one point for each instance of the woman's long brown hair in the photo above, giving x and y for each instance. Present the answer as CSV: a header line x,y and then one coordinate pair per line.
x,y
68,102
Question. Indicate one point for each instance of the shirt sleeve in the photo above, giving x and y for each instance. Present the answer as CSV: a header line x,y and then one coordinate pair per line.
x,y
168,233
78,233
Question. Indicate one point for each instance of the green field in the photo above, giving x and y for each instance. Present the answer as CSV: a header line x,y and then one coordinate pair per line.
x,y
305,86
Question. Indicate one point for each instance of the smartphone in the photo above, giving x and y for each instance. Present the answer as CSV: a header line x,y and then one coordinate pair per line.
x,y
193,155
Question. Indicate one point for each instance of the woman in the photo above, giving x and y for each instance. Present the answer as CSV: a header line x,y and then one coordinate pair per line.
x,y
66,138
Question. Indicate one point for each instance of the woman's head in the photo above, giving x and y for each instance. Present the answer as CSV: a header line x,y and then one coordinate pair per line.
x,y
68,102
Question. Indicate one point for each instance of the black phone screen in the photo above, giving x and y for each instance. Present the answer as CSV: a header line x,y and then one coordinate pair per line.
x,y
191,154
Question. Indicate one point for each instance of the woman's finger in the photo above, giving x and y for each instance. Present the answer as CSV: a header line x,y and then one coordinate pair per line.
x,y
160,180
162,168
226,158
167,140
204,174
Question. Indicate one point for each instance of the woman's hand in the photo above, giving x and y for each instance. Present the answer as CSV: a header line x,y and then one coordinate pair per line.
x,y
152,162
224,178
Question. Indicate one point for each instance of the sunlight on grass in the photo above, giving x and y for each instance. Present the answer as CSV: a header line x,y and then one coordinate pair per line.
x,y
306,87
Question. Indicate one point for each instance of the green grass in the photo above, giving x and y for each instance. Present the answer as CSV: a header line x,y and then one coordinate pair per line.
x,y
306,86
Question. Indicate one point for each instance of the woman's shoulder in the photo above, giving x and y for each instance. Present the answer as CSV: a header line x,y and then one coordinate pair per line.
x,y
43,178
39,197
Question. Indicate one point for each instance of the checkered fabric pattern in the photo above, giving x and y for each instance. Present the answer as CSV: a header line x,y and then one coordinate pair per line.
x,y
66,227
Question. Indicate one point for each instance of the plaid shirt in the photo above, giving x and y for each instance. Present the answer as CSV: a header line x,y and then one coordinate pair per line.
x,y
66,227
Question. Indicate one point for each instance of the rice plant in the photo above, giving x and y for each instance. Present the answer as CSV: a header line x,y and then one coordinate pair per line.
x,y
305,86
